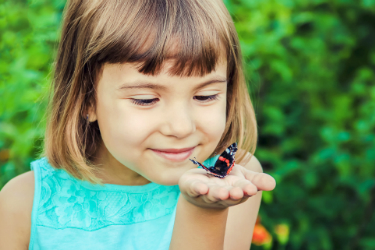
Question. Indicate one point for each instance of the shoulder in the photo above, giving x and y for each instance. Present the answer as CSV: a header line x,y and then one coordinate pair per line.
x,y
19,188
253,164
16,202
18,193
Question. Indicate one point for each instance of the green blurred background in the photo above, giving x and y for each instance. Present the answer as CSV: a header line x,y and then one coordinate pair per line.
x,y
311,70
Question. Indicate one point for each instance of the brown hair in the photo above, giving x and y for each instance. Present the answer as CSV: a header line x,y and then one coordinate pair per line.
x,y
141,31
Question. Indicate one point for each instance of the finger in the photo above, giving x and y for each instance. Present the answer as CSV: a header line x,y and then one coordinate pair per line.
x,y
236,193
261,180
217,193
196,188
247,187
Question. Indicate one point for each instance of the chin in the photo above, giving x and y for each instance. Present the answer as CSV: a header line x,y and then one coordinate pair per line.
x,y
166,179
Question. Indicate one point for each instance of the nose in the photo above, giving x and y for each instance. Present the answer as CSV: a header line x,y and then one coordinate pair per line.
x,y
178,121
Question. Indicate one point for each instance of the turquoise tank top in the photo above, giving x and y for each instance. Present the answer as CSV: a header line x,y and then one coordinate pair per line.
x,y
69,213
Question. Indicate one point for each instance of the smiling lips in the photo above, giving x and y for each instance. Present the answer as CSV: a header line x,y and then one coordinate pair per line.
x,y
174,154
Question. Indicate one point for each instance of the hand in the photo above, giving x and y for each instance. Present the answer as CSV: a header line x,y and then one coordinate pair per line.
x,y
207,191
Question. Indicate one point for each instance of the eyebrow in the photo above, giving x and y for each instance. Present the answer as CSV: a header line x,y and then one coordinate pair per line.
x,y
149,85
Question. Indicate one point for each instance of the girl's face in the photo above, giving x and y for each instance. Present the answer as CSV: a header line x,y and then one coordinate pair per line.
x,y
152,125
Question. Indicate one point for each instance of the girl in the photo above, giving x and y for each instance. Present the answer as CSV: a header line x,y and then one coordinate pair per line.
x,y
141,87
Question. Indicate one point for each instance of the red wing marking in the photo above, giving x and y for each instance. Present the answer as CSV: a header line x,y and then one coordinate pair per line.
x,y
230,169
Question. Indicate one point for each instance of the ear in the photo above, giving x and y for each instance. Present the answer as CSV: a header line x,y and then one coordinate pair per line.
x,y
91,112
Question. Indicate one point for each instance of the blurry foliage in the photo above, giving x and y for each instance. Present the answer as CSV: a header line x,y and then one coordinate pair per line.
x,y
310,65
312,71
28,40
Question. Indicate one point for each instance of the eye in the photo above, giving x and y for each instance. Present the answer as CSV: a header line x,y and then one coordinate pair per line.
x,y
145,102
206,98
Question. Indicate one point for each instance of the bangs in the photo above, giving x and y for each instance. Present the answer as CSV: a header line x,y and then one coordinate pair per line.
x,y
191,34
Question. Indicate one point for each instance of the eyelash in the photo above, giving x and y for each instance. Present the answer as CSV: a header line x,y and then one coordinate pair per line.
x,y
144,102
208,97
148,102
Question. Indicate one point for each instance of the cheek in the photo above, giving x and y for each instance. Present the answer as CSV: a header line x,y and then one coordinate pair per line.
x,y
212,121
122,127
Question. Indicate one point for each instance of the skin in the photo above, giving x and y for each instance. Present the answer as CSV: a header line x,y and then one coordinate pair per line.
x,y
176,112
175,119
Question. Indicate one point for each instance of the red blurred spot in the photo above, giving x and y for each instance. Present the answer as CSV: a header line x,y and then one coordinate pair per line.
x,y
260,235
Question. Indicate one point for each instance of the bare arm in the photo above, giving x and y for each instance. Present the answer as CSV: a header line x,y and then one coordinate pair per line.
x,y
242,218
16,201
205,227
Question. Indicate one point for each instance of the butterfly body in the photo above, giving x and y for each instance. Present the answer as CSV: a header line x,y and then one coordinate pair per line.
x,y
223,165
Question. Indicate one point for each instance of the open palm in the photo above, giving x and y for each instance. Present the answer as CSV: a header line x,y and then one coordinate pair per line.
x,y
205,190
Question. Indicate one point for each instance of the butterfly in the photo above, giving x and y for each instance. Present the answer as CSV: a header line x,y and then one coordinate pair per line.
x,y
223,165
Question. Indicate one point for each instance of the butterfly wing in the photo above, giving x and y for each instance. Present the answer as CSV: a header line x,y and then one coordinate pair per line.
x,y
226,161
200,164
223,165
209,169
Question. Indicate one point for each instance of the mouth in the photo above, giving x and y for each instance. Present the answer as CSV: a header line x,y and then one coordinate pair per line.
x,y
173,154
